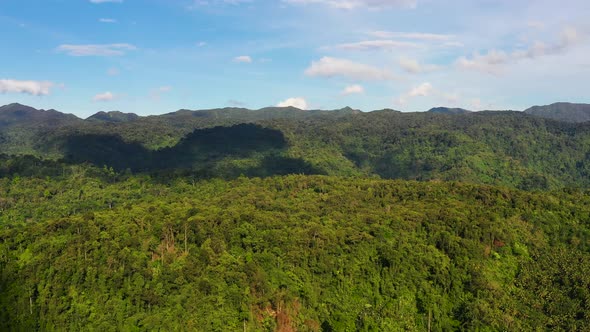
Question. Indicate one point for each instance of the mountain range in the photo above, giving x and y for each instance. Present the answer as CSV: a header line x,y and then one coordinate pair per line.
x,y
281,219
17,114
514,149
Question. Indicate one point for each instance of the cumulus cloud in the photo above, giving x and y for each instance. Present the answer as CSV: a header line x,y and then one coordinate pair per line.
x,y
415,67
492,60
104,97
243,59
334,67
353,89
107,20
354,4
297,102
422,90
35,88
96,49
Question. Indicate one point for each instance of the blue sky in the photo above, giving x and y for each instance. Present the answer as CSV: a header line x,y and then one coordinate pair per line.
x,y
158,56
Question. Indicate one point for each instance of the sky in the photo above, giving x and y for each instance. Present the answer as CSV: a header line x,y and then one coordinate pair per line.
x,y
158,56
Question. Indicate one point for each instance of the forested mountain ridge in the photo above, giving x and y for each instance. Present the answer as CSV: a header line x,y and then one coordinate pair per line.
x,y
287,220
33,133
447,110
22,115
562,112
500,148
113,116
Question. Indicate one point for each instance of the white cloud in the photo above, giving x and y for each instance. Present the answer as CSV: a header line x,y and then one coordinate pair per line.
x,y
410,65
297,102
376,45
411,35
422,90
415,67
96,50
334,67
103,97
35,88
353,89
243,59
492,60
201,44
107,20
484,62
354,4
105,1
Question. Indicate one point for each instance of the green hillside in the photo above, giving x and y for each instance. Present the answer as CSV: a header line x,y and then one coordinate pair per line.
x,y
499,148
287,220
567,112
96,251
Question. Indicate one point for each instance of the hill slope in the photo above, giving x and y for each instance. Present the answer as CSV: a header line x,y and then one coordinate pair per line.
x,y
290,253
22,115
447,110
114,116
499,148
562,112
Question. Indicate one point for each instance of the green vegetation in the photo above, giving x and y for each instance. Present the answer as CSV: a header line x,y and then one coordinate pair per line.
x,y
93,250
284,220
562,112
497,148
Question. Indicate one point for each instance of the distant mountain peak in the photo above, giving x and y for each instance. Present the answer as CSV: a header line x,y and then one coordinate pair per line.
x,y
286,108
448,110
348,109
562,111
113,117
16,114
17,107
385,110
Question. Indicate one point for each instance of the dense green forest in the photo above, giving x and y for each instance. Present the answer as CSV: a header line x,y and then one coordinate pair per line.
x,y
95,250
286,220
499,148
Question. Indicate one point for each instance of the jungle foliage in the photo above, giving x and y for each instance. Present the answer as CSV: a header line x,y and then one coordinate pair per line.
x,y
95,250
284,220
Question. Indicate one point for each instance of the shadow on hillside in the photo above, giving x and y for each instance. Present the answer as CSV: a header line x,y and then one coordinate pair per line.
x,y
111,151
244,149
